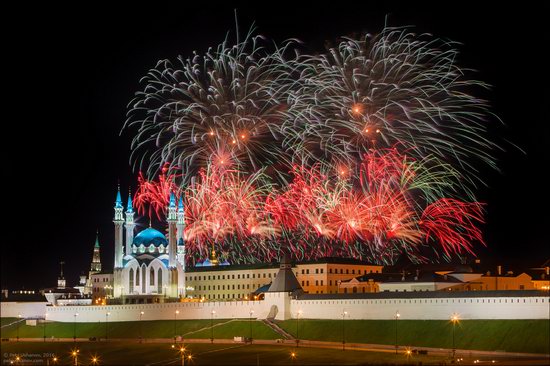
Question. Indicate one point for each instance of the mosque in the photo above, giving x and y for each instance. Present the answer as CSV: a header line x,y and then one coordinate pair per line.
x,y
148,267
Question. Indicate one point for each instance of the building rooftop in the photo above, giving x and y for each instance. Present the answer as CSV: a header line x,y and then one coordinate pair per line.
x,y
285,281
327,260
423,295
422,277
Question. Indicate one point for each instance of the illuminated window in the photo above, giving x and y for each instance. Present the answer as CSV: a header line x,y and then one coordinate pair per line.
x,y
142,248
151,248
161,249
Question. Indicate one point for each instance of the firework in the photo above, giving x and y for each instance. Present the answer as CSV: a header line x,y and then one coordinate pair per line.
x,y
365,151
152,196
223,105
392,89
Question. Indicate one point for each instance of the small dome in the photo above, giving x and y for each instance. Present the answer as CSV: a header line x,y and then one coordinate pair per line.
x,y
150,236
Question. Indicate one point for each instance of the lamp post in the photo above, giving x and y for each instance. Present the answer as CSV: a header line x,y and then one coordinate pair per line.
x,y
212,325
250,322
454,319
74,353
297,328
140,316
18,325
45,319
74,327
344,330
397,315
107,325
182,352
175,324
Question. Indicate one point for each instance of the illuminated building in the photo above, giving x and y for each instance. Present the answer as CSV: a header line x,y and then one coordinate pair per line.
x,y
243,281
151,269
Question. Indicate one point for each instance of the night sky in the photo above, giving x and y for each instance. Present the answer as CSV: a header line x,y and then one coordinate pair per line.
x,y
70,75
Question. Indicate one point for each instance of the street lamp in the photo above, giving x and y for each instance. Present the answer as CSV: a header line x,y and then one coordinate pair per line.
x,y
182,352
18,325
397,315
250,322
454,320
175,323
344,330
212,325
74,327
45,319
297,328
140,316
107,325
74,353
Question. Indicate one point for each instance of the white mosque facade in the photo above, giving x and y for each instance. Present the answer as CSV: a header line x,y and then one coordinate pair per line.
x,y
150,266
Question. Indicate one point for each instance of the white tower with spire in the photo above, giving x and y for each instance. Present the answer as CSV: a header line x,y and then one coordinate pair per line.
x,y
172,231
119,222
129,225
181,246
172,246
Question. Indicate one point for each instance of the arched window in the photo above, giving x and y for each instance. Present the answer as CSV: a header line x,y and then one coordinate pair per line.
x,y
159,281
143,274
131,281
151,278
137,277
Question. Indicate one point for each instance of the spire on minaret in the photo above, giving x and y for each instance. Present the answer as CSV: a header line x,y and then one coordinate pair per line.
x,y
130,207
129,225
180,204
172,200
118,202
96,239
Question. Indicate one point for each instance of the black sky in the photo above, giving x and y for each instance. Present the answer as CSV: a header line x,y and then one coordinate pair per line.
x,y
71,72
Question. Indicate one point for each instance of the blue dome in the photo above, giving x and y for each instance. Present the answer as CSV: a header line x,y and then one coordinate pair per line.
x,y
150,236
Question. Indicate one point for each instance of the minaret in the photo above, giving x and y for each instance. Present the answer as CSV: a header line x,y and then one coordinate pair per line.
x,y
181,246
129,225
181,227
118,221
96,262
172,231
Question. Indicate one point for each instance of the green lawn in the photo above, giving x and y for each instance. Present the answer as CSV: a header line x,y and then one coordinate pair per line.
x,y
530,336
148,329
127,353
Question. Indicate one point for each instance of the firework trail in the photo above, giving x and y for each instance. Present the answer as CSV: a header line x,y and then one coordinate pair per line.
x,y
152,197
365,151
392,89
224,104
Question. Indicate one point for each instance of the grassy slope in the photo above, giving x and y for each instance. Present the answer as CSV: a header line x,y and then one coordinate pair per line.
x,y
149,329
507,335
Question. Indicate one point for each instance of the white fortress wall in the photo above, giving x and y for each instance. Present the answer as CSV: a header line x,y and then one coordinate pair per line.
x,y
163,311
279,305
425,309
12,309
